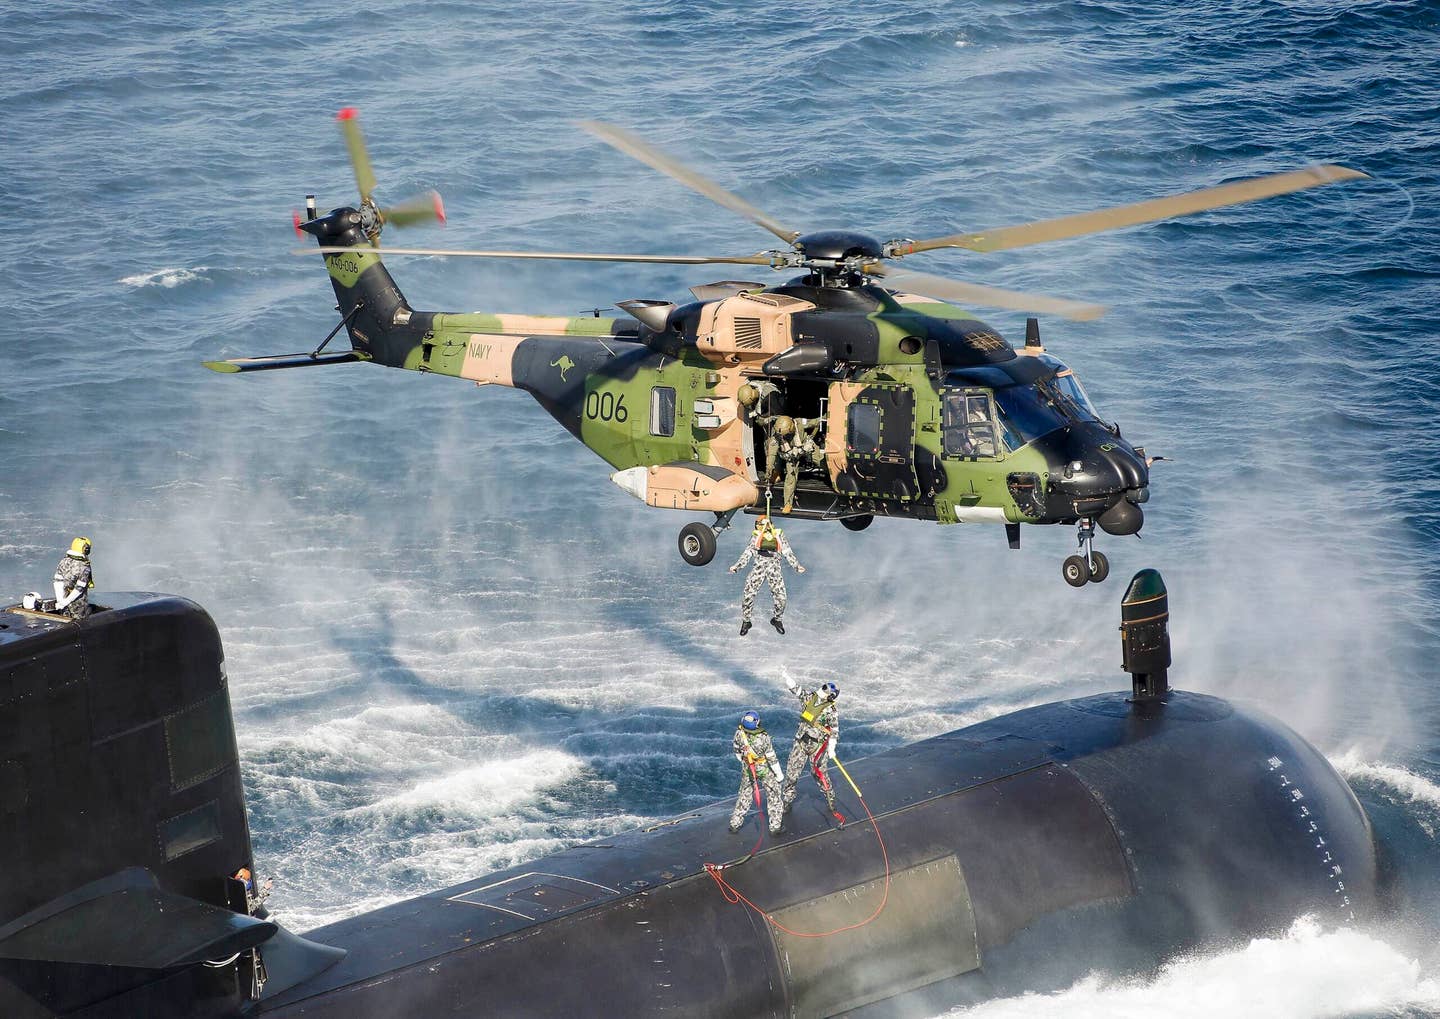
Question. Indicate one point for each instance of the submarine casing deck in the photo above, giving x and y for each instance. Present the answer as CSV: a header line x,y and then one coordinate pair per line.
x,y
1061,838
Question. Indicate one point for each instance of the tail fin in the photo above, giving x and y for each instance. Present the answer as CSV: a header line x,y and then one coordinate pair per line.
x,y
380,323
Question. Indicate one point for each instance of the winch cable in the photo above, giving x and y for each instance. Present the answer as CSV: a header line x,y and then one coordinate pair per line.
x,y
734,896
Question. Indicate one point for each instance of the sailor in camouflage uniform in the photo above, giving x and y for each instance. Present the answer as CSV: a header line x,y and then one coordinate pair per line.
x,y
767,543
73,580
815,741
760,766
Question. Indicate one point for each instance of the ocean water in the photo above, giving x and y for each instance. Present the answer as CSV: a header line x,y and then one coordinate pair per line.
x,y
454,646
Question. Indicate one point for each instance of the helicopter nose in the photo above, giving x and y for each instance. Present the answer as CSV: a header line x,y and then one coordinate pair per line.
x,y
1128,466
1103,477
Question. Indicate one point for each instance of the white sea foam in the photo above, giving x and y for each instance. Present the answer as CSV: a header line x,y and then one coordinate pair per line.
x,y
486,789
169,278
1398,784
1307,973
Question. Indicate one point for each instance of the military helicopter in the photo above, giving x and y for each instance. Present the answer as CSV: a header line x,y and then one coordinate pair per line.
x,y
915,408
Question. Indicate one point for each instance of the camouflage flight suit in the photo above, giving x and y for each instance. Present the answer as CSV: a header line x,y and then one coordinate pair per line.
x,y
819,724
74,573
767,554
755,747
795,448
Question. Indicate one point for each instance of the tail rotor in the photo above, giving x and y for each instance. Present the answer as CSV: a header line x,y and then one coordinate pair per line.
x,y
414,211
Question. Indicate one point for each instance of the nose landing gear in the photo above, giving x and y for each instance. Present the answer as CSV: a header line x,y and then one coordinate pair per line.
x,y
1089,566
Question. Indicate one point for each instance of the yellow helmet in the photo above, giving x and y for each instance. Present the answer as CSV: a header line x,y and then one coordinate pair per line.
x,y
80,548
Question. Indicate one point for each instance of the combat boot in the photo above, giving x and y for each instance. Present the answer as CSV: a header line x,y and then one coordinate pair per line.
x,y
745,628
775,622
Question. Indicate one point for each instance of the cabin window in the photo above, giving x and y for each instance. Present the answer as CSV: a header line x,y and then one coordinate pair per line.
x,y
662,411
969,425
864,423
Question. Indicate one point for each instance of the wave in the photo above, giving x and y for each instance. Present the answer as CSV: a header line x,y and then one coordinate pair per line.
x,y
168,278
1399,785
1306,973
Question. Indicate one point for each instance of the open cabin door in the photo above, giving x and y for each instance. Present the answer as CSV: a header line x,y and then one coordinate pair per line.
x,y
872,449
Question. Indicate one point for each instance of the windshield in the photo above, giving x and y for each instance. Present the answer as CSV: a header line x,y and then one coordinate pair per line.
x,y
1079,405
1028,411
1026,414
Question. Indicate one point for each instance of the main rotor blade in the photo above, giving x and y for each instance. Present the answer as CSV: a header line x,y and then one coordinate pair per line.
x,y
927,285
1140,212
349,122
633,146
424,208
572,256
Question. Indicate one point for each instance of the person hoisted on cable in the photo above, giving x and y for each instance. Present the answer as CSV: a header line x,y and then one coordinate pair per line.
x,y
815,740
759,769
767,544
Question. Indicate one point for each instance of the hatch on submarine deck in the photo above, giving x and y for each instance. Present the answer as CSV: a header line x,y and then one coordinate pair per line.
x,y
1102,832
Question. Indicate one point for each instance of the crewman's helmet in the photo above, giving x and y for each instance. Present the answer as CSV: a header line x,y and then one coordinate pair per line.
x,y
243,874
750,721
79,548
784,426
748,395
830,691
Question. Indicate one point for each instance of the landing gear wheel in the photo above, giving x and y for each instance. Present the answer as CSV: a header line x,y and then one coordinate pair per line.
x,y
697,544
858,523
1099,567
1076,571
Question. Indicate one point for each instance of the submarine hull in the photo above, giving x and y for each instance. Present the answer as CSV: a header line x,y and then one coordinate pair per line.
x,y
1017,855
1022,852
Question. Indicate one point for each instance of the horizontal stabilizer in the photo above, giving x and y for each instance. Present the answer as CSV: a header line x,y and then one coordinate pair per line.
x,y
127,920
260,364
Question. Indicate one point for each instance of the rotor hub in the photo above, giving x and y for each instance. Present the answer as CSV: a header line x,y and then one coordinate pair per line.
x,y
838,246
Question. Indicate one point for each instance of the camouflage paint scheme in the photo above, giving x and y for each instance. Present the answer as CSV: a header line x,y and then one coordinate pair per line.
x,y
893,355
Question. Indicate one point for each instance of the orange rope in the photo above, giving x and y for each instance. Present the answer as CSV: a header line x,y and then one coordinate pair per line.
x,y
733,895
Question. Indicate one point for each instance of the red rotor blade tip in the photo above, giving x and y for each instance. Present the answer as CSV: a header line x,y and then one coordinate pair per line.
x,y
295,218
439,208
349,113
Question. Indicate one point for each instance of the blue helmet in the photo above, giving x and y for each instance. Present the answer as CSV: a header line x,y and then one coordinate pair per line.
x,y
830,691
750,720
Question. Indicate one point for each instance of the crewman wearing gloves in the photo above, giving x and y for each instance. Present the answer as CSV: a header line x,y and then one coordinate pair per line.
x,y
767,544
759,770
73,580
797,445
815,741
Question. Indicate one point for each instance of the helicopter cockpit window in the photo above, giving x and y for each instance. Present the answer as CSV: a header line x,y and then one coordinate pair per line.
x,y
969,425
1069,386
662,411
1063,388
864,424
1027,412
